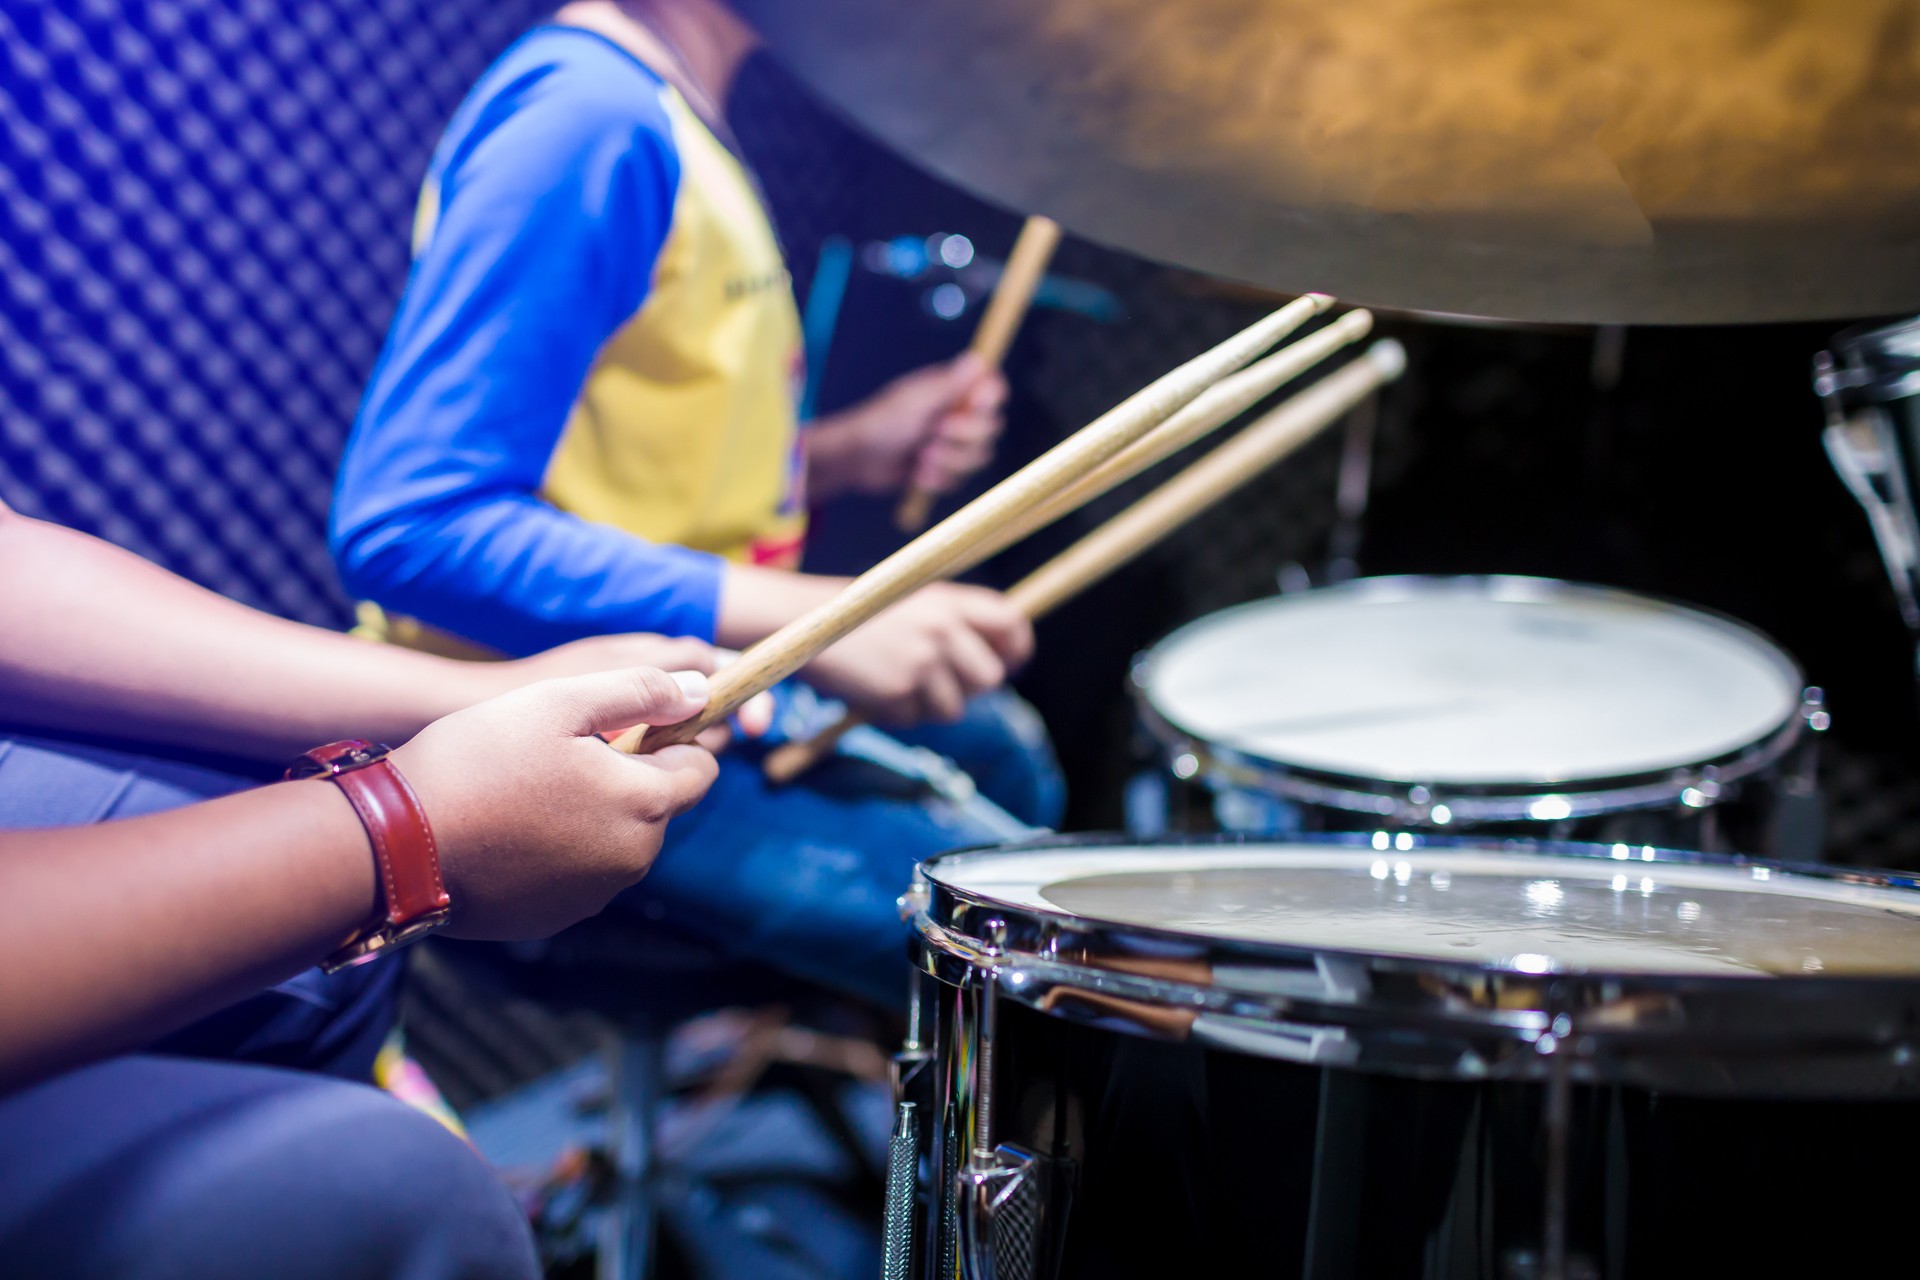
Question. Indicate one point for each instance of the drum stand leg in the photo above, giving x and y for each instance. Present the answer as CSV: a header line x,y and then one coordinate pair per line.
x,y
1149,804
912,1095
1710,837
903,1157
1553,1232
1351,491
626,1237
1556,1260
1798,827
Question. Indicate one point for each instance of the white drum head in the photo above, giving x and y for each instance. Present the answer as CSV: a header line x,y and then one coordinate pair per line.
x,y
1526,912
1483,681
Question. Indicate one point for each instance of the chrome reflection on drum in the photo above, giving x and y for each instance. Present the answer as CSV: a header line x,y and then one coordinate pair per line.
x,y
1458,1059
1475,701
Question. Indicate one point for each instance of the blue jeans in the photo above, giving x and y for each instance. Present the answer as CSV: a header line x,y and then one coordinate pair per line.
x,y
806,878
1001,743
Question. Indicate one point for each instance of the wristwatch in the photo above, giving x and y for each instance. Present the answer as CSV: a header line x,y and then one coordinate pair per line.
x,y
414,896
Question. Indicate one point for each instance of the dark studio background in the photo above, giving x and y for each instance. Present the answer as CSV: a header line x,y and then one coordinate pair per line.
x,y
203,216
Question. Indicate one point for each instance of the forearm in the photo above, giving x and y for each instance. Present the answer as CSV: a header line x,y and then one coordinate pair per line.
x,y
755,601
507,570
839,456
114,934
97,640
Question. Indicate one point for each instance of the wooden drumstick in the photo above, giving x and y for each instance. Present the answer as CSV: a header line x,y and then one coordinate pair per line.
x,y
924,559
1218,405
1214,407
1264,443
1013,293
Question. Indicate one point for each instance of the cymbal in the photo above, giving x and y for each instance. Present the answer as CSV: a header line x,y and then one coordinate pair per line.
x,y
1584,161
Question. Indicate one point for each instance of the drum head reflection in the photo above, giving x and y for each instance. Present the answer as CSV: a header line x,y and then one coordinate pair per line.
x,y
1531,913
1503,681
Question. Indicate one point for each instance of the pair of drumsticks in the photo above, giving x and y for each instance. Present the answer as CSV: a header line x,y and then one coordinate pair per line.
x,y
1152,424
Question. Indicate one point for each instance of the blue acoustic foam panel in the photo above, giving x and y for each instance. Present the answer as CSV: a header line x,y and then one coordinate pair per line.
x,y
204,210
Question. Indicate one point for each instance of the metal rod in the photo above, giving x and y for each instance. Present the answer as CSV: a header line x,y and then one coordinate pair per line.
x,y
1559,1123
983,1069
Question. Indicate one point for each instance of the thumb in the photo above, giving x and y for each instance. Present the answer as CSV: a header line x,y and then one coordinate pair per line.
x,y
620,699
966,371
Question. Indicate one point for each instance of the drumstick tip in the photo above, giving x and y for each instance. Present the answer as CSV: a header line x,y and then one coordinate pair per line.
x,y
1389,357
1356,323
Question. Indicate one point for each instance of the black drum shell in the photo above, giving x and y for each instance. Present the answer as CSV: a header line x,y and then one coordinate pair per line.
x,y
1433,1149
1177,1160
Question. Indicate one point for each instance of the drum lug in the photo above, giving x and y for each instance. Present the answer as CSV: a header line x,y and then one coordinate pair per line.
x,y
1813,709
1002,1202
1002,1214
1702,789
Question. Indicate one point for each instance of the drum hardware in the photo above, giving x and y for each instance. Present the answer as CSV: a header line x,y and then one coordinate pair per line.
x,y
1863,453
1558,1120
1490,1112
1257,1037
1000,1188
943,777
1418,807
1516,1017
1868,391
903,1154
1352,485
914,1094
1799,818
1609,359
911,1068
1351,490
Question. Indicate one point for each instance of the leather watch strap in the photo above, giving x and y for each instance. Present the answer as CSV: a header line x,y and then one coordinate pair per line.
x,y
404,850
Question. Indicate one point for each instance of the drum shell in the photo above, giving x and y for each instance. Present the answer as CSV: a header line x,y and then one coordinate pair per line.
x,y
1160,1151
1168,1159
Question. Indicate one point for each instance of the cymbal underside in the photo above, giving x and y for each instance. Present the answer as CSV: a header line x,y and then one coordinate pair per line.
x,y
1623,161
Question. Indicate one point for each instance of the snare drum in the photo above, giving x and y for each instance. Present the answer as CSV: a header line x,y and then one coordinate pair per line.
x,y
1440,1059
1477,702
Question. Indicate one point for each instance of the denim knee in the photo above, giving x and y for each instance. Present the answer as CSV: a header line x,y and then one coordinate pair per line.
x,y
1002,743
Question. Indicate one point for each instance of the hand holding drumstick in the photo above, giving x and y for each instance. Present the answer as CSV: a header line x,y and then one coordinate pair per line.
x,y
927,557
1263,444
929,430
1012,295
